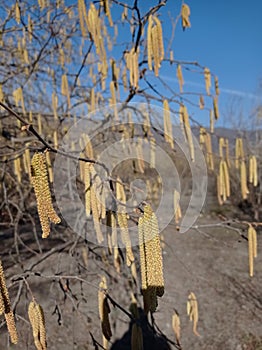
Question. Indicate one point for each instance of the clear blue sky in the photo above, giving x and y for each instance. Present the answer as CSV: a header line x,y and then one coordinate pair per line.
x,y
225,36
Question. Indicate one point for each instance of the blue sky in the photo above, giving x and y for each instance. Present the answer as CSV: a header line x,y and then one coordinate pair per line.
x,y
225,36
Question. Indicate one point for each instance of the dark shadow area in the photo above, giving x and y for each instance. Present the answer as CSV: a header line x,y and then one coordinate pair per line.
x,y
152,339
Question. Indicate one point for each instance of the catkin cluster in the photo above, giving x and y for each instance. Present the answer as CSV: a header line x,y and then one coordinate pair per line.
x,y
192,311
131,58
37,320
39,178
252,248
223,182
151,264
205,143
5,307
155,46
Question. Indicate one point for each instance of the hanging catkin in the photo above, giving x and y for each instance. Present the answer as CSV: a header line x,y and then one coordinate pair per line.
x,y
104,309
185,13
37,320
168,132
187,130
192,311
5,307
155,46
122,222
207,76
180,78
243,178
252,248
151,264
253,173
39,178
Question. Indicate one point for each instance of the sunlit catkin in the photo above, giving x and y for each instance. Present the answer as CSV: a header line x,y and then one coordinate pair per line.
x,y
187,130
192,311
150,259
185,14
37,321
155,46
253,173
10,323
5,307
180,78
168,124
207,76
243,179
39,178
252,248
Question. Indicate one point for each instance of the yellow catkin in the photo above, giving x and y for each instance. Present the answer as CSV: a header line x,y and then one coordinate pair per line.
x,y
95,214
168,131
243,178
211,121
221,146
177,208
187,130
39,178
180,78
155,47
227,153
215,107
226,178
10,322
149,43
113,99
253,173
122,222
251,251
159,38
185,14
192,311
37,321
104,310
210,159
207,76
81,12
17,13
176,326
239,151
150,259
5,307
